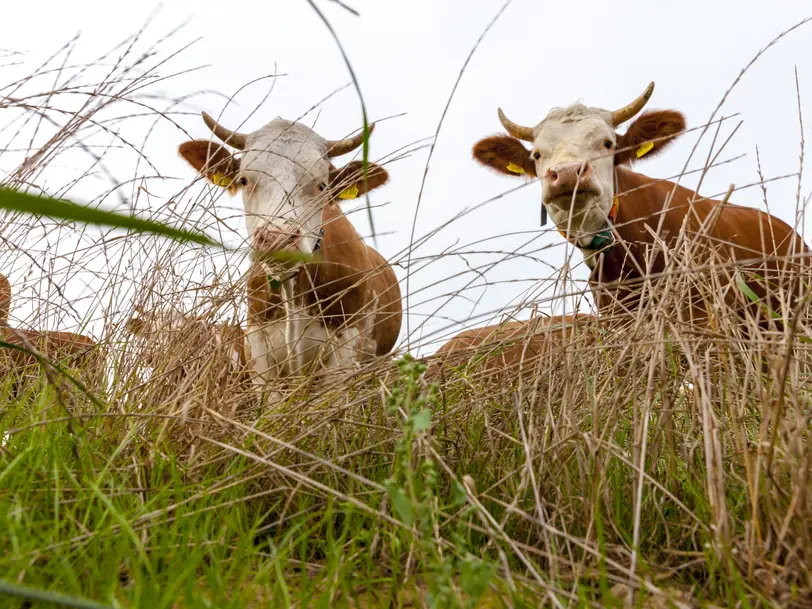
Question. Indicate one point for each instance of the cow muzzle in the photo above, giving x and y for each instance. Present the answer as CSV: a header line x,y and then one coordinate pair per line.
x,y
271,243
567,178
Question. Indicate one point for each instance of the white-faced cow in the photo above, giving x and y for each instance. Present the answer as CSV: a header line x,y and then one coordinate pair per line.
x,y
341,304
616,216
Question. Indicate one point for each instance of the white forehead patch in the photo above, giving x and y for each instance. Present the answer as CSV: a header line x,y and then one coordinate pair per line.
x,y
285,147
575,126
577,112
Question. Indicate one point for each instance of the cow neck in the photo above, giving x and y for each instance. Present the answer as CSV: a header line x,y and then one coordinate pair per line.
x,y
604,240
276,283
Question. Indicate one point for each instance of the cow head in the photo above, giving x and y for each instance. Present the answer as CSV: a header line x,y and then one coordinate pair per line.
x,y
285,176
574,153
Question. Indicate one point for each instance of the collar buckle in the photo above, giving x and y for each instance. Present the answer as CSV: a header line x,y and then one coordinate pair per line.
x,y
317,247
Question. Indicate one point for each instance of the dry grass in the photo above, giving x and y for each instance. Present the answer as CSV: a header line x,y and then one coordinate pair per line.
x,y
652,459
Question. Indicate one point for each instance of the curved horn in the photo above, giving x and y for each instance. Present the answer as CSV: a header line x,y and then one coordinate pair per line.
x,y
626,112
339,147
516,130
232,138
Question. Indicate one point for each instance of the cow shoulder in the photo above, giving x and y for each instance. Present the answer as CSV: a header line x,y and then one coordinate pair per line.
x,y
336,279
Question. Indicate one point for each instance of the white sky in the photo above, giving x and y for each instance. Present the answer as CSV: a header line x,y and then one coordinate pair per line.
x,y
407,56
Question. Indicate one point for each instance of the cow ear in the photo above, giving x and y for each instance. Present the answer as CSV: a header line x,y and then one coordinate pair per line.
x,y
349,181
506,155
650,134
213,161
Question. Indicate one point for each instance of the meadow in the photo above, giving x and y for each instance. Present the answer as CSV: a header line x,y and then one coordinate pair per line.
x,y
654,465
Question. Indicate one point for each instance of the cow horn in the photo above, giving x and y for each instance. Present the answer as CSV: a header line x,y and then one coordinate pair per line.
x,y
232,138
626,112
523,133
339,147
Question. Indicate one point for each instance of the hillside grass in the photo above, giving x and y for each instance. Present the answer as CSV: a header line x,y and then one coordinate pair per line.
x,y
653,464
602,471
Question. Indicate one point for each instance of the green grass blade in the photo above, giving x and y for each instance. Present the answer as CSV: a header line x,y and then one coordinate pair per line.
x,y
65,210
47,596
753,297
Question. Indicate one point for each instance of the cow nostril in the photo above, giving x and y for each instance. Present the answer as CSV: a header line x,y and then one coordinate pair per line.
x,y
552,175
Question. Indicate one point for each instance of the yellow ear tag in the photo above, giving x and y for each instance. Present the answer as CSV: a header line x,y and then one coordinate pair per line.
x,y
220,180
349,193
513,168
644,149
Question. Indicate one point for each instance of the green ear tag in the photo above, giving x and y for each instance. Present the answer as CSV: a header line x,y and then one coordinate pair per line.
x,y
274,283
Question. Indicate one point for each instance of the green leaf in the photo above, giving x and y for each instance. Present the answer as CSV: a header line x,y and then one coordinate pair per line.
x,y
474,578
421,420
458,492
57,598
400,502
65,210
748,291
286,256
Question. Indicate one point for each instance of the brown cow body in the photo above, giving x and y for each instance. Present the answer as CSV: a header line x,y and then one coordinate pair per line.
x,y
349,289
66,348
5,300
719,233
501,352
70,350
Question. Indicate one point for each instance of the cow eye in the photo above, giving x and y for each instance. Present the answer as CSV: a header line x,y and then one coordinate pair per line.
x,y
243,181
537,155
608,144
322,187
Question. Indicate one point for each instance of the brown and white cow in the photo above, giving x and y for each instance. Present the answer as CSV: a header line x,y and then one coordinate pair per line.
x,y
341,304
71,350
501,352
616,216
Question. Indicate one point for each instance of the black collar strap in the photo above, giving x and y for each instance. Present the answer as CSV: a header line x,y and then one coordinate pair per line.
x,y
317,247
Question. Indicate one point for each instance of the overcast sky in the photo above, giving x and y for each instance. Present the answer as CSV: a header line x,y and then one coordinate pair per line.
x,y
407,56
